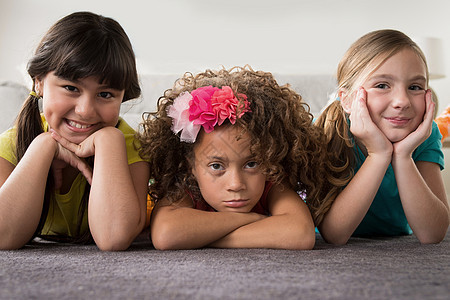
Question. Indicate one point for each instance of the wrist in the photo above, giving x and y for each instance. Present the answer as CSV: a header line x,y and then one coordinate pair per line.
x,y
108,135
108,140
383,158
45,141
401,157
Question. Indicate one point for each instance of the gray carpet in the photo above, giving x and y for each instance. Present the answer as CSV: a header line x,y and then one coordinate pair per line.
x,y
385,268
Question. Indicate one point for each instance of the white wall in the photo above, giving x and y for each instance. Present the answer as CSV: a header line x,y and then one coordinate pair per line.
x,y
286,36
174,36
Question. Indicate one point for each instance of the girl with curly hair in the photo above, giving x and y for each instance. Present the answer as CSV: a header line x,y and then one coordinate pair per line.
x,y
236,163
383,137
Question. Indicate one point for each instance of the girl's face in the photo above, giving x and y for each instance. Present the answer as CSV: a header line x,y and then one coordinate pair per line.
x,y
76,109
228,176
396,94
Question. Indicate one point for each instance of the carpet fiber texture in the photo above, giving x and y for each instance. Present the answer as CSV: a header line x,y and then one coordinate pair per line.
x,y
384,268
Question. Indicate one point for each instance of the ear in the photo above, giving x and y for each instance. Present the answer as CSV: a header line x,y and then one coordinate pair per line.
x,y
346,100
38,86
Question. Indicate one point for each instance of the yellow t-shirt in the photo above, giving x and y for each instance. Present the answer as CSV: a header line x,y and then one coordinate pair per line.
x,y
62,218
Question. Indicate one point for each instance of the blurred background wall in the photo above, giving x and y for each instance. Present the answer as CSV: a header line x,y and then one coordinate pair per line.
x,y
282,36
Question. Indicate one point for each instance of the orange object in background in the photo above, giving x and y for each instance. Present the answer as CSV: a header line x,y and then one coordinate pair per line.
x,y
150,205
443,122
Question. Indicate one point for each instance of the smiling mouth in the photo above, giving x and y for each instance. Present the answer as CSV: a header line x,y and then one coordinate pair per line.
x,y
78,125
398,121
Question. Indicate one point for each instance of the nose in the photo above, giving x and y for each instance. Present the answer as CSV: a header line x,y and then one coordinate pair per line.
x,y
85,106
236,181
401,99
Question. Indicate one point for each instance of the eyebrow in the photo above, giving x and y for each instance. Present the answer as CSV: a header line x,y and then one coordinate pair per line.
x,y
390,77
78,81
222,158
213,157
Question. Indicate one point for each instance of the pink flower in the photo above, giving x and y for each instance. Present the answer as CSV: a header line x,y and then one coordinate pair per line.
x,y
224,105
205,106
200,108
179,112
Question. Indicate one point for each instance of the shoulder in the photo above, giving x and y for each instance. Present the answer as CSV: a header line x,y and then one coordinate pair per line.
x,y
123,126
431,149
8,145
132,143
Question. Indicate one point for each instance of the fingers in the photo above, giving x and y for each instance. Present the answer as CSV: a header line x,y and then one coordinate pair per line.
x,y
67,152
429,107
84,149
79,164
360,117
361,104
421,133
65,143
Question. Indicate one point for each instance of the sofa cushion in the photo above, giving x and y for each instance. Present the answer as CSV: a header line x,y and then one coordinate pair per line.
x,y
12,96
314,89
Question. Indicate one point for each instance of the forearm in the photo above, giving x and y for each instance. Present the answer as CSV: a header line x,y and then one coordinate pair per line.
x,y
427,214
116,215
22,194
352,204
189,228
277,232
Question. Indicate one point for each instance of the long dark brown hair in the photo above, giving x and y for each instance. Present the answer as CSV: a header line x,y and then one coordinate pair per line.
x,y
284,141
79,45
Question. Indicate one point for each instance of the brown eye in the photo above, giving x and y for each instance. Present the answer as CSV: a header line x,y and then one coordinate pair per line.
x,y
105,95
70,88
216,167
251,165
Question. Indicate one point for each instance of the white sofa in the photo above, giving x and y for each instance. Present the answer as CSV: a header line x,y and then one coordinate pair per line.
x,y
315,90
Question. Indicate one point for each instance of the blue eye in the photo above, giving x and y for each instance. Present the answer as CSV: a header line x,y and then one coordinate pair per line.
x,y
415,88
381,86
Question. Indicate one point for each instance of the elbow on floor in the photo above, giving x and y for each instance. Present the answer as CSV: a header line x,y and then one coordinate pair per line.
x,y
110,244
424,240
164,238
9,241
303,242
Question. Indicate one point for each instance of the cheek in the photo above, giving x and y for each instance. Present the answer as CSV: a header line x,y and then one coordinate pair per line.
x,y
111,115
375,106
421,107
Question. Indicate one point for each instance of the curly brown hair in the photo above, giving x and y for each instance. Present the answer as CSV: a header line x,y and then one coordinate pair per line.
x,y
289,149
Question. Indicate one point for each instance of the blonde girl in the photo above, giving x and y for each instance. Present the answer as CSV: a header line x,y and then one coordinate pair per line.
x,y
382,133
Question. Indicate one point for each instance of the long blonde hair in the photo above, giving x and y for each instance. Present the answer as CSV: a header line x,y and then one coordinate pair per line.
x,y
363,57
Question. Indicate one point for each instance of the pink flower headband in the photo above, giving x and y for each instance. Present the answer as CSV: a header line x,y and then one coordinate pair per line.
x,y
205,106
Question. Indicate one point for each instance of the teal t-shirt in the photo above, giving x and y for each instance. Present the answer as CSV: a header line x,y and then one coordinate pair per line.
x,y
386,215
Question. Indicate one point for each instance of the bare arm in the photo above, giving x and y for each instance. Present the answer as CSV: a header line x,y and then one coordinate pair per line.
x,y
420,185
117,200
290,225
179,226
352,204
22,192
423,199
